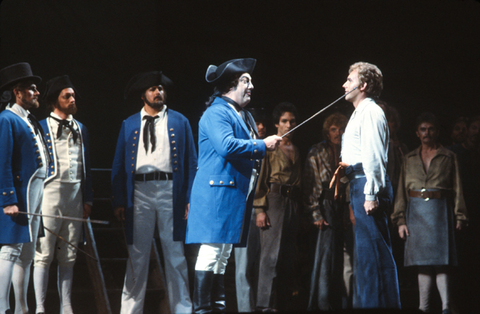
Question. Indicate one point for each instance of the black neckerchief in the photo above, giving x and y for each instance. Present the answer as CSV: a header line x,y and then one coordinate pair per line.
x,y
68,124
149,127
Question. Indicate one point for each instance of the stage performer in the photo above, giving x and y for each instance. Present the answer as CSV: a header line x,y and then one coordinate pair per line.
x,y
428,207
152,174
277,201
332,274
68,191
222,193
364,151
23,160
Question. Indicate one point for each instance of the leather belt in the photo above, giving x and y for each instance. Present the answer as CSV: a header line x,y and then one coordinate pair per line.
x,y
154,176
426,195
291,191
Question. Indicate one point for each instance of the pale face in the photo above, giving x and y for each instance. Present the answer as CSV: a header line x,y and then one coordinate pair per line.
x,y
66,102
350,84
155,97
335,134
242,93
286,123
262,130
427,133
27,97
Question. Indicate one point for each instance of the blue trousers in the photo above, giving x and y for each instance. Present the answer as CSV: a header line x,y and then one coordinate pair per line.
x,y
376,272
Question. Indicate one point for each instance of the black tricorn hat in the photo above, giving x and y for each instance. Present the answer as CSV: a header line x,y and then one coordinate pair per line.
x,y
15,73
56,85
227,69
140,82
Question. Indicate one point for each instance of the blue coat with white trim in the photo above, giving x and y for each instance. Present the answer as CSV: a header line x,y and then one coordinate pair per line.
x,y
184,165
87,187
219,209
19,159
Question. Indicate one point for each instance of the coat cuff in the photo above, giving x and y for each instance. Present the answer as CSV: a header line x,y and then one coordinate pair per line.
x,y
8,196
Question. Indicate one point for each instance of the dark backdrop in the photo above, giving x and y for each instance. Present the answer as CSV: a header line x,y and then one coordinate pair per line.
x,y
428,52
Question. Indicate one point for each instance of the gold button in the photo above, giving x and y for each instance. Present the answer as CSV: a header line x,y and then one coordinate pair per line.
x,y
49,141
31,132
18,177
133,152
39,157
51,154
231,182
134,138
136,132
36,145
175,162
49,147
173,142
255,151
133,144
133,158
221,182
37,151
174,148
173,135
11,192
211,182
4,193
133,165
40,164
52,167
254,143
175,169
171,129
132,171
174,155
48,134
52,173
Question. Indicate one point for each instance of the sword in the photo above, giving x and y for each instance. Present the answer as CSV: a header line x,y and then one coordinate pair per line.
x,y
103,222
319,112
61,238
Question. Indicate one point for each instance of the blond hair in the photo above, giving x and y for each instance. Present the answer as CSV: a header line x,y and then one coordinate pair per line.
x,y
370,74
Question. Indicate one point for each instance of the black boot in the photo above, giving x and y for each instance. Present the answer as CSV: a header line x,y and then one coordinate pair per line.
x,y
218,294
202,292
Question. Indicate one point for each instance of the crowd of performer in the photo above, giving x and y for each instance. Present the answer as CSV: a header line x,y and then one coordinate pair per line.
x,y
370,206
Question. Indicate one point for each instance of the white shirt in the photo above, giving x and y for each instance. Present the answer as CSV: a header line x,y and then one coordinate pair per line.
x,y
68,153
22,113
366,141
158,160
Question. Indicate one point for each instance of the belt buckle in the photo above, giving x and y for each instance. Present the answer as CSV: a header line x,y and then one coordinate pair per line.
x,y
421,194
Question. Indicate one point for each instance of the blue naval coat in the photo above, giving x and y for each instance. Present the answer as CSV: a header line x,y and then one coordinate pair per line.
x,y
87,188
219,210
184,165
19,159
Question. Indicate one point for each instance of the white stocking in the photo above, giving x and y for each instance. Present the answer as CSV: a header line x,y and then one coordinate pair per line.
x,y
442,286
40,282
6,270
65,276
425,282
20,278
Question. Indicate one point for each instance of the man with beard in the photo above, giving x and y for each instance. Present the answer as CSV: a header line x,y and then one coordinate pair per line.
x,y
331,280
428,207
364,154
222,194
24,162
68,191
276,206
151,185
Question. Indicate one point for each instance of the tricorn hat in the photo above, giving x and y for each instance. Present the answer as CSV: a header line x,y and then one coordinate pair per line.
x,y
15,73
56,85
227,69
140,82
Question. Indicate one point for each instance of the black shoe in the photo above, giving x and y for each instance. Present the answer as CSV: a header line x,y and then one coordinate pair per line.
x,y
218,294
202,292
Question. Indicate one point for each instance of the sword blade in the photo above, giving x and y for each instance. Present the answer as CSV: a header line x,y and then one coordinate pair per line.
x,y
103,222
69,243
319,112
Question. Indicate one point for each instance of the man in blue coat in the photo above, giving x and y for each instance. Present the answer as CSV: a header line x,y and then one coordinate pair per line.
x,y
152,175
23,161
222,193
68,191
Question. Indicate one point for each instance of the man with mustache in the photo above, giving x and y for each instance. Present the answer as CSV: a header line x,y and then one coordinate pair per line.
x,y
24,160
68,191
222,194
364,154
276,207
428,207
331,280
152,175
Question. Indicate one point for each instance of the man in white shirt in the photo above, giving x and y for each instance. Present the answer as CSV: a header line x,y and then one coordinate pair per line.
x,y
68,192
364,154
152,175
23,161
